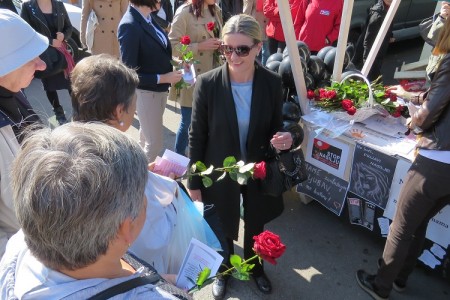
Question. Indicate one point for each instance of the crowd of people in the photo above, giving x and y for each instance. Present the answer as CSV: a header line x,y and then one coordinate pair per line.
x,y
87,176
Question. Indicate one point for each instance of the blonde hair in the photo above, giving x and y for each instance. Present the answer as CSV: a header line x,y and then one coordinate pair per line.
x,y
243,24
443,42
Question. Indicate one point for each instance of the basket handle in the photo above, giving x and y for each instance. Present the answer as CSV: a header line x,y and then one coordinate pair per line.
x,y
370,102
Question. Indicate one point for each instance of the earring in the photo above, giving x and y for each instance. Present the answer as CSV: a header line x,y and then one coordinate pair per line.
x,y
121,123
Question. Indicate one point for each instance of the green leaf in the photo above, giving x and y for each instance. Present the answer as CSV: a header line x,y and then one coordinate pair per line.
x,y
233,175
208,171
241,275
229,161
242,178
203,275
235,261
200,166
207,182
246,168
222,176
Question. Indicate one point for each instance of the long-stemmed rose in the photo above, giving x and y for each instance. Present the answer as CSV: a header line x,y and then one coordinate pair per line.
x,y
214,28
186,59
267,246
237,170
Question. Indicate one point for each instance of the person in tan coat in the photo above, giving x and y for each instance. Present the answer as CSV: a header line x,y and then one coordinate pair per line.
x,y
109,13
192,19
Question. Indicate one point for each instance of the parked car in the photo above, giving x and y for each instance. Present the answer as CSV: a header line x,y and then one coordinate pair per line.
x,y
74,43
407,18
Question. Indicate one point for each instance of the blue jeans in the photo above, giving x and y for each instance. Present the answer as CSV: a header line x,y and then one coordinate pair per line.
x,y
182,139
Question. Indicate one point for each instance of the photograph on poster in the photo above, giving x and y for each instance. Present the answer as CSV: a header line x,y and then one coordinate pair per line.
x,y
372,174
328,154
355,211
325,188
369,215
360,212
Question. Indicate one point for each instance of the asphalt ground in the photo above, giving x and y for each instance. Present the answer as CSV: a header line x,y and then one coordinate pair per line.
x,y
323,251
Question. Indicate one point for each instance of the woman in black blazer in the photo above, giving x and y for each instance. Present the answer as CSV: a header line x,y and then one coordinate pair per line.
x,y
237,112
145,47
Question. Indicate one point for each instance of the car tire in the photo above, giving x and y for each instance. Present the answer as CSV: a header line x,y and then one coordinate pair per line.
x,y
72,47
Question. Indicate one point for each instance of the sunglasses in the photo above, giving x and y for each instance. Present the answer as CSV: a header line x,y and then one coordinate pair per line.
x,y
240,51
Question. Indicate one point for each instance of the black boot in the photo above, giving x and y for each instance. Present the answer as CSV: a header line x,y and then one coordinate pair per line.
x,y
60,116
219,287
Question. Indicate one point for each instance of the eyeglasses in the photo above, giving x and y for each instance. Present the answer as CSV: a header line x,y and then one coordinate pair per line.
x,y
240,51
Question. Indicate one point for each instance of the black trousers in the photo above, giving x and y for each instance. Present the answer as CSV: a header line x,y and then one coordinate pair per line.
x,y
425,192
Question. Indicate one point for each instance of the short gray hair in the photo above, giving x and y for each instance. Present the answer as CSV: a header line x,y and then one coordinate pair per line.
x,y
244,24
99,84
73,187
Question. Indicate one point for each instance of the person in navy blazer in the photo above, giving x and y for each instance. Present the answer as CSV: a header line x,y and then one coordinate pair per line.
x,y
145,47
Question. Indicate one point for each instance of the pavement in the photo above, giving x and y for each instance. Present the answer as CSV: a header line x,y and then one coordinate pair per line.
x,y
323,251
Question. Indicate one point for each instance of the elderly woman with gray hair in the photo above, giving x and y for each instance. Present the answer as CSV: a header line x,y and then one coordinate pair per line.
x,y
104,90
79,198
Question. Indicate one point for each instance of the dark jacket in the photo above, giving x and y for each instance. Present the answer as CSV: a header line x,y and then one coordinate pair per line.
x,y
375,18
433,118
141,49
33,15
214,135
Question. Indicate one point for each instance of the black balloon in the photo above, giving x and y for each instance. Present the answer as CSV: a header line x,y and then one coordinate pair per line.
x,y
309,82
273,65
329,59
324,51
291,111
285,72
275,57
316,67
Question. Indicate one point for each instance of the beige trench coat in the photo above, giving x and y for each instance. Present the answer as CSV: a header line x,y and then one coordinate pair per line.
x,y
109,13
185,23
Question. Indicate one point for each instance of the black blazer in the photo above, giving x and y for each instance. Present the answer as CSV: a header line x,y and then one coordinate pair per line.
x,y
141,49
33,15
214,135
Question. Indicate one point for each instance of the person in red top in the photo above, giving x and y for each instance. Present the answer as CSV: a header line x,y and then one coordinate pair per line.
x,y
319,22
274,30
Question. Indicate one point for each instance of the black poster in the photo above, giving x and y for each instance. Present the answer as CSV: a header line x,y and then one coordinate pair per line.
x,y
361,212
324,187
372,173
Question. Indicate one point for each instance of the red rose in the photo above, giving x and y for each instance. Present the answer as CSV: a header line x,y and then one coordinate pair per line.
x,y
322,93
400,108
396,114
210,26
351,111
185,40
346,104
259,170
268,246
331,94
311,95
393,97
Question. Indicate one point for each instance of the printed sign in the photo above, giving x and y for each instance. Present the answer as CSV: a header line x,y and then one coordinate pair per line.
x,y
438,229
327,154
372,173
360,212
324,187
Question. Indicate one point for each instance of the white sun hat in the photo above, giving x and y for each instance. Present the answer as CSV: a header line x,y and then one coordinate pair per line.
x,y
20,42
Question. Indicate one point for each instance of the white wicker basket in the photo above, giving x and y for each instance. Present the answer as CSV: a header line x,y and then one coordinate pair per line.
x,y
362,113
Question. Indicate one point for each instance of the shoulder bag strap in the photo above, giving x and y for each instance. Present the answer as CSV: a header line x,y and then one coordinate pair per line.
x,y
126,286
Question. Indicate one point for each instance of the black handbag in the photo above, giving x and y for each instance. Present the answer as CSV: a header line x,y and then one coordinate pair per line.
x,y
425,27
55,61
284,171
